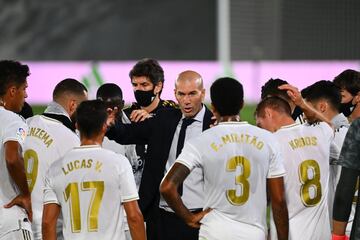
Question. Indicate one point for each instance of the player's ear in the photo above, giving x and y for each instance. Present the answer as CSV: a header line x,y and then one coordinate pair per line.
x,y
323,106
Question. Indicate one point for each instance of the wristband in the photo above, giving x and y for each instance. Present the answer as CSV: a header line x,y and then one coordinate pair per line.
x,y
338,237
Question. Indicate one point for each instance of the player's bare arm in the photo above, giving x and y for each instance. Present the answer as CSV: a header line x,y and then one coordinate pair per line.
x,y
50,215
169,190
135,220
278,203
311,113
15,166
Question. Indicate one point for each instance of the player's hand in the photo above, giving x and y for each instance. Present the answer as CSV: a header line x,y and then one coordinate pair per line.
x,y
195,219
139,115
293,93
112,113
214,122
22,201
339,237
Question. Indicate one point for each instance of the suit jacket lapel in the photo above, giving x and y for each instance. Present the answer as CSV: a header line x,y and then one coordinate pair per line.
x,y
207,119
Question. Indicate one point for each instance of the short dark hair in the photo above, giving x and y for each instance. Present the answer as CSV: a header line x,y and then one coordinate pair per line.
x,y
348,80
149,68
12,72
271,88
68,85
227,96
276,103
111,94
90,117
323,89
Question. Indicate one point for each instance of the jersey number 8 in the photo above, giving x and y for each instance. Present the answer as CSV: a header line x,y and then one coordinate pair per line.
x,y
310,191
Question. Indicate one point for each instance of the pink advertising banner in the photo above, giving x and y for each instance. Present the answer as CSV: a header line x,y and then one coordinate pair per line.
x,y
252,74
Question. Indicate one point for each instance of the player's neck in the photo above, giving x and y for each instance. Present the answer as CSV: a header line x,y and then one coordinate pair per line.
x,y
92,141
285,121
152,105
232,118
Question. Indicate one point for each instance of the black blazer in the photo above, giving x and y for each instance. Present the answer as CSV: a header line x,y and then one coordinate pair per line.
x,y
157,133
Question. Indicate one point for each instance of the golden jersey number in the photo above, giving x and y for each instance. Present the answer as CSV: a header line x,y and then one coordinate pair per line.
x,y
242,180
31,162
310,191
71,194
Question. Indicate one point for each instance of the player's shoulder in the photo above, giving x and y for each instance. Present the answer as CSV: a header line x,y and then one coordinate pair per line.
x,y
8,117
167,104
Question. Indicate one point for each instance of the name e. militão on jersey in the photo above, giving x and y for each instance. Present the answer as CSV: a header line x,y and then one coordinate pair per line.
x,y
238,138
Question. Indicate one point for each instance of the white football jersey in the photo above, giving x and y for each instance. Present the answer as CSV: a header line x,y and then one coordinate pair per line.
x,y
47,141
12,128
306,150
335,171
236,158
90,183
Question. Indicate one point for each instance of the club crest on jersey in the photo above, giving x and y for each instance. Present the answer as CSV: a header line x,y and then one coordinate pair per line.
x,y
21,134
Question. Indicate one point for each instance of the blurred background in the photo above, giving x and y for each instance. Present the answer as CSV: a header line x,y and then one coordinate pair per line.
x,y
98,41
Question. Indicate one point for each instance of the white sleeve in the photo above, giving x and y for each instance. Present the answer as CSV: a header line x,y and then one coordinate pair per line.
x,y
128,190
276,166
16,131
189,156
49,192
330,137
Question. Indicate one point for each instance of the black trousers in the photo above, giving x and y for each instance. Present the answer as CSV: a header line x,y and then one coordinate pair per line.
x,y
171,227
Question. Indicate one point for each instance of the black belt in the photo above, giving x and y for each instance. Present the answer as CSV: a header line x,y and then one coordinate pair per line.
x,y
193,210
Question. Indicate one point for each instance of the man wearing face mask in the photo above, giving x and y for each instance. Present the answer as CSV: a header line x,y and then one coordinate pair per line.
x,y
349,83
147,79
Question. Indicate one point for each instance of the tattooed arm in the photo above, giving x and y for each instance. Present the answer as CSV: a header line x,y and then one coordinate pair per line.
x,y
168,190
279,208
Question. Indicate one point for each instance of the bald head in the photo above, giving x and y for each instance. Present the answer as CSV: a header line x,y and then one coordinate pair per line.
x,y
190,76
189,92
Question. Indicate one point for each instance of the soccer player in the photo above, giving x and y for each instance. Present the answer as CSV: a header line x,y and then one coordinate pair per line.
x,y
238,161
91,186
15,198
48,140
271,89
349,160
325,97
306,155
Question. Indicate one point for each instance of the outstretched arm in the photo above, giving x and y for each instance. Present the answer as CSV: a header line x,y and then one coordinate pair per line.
x,y
311,113
169,190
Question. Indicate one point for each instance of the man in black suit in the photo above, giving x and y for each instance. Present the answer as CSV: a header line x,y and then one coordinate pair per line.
x,y
165,135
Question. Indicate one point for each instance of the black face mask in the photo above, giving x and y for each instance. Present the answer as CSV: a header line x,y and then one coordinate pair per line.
x,y
144,98
347,108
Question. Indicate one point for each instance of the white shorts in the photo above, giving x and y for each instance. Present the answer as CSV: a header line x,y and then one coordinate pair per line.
x,y
214,226
14,224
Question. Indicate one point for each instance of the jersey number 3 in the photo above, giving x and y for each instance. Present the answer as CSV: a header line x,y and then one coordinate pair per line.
x,y
71,194
241,180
